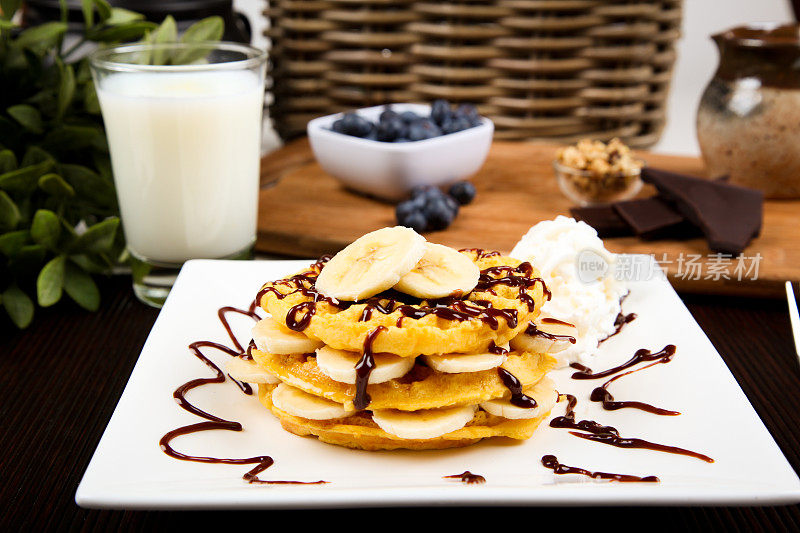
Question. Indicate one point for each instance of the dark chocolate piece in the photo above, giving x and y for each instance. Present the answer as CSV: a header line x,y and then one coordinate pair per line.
x,y
729,216
653,218
603,219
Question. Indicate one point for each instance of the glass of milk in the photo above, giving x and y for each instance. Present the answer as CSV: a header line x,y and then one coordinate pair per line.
x,y
184,131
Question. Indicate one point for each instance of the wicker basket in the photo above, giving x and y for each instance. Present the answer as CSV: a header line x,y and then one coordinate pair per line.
x,y
541,69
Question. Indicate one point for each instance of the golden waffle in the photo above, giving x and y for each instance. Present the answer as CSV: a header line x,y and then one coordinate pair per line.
x,y
509,295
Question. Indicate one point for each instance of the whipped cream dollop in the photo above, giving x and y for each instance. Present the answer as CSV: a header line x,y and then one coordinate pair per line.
x,y
579,272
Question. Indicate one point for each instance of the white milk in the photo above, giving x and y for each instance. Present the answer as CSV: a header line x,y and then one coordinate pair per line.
x,y
185,151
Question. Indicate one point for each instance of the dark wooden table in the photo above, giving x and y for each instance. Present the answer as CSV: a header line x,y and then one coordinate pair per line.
x,y
61,379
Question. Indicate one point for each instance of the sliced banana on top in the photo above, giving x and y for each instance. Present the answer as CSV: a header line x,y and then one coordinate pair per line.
x,y
248,371
543,392
371,264
424,424
549,335
305,405
461,362
339,365
274,338
441,272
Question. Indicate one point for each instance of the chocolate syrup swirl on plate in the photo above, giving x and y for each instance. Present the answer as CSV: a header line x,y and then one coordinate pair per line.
x,y
620,322
213,422
468,478
662,356
551,462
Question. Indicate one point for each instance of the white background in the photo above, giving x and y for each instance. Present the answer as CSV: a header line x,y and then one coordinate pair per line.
x,y
697,57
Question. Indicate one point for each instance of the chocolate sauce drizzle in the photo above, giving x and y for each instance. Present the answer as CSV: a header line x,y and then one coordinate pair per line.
x,y
458,309
619,323
551,462
213,422
534,331
511,382
364,368
467,477
662,356
601,394
610,435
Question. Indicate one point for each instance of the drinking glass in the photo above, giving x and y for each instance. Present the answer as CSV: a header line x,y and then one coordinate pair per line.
x,y
184,132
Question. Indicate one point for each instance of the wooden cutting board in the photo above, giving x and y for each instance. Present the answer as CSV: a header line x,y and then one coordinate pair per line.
x,y
303,212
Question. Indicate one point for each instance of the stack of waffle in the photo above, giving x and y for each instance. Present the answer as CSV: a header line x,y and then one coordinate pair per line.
x,y
399,343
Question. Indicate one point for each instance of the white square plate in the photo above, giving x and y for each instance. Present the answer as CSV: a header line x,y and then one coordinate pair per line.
x,y
128,470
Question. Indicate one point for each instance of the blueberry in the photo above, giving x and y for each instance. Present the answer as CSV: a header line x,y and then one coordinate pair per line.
x,y
440,111
455,124
423,129
469,112
355,125
390,129
462,192
452,204
409,117
410,216
387,113
338,126
438,214
419,191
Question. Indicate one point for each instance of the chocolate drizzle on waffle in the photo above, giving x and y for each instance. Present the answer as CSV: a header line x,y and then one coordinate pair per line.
x,y
457,309
364,368
518,398
534,331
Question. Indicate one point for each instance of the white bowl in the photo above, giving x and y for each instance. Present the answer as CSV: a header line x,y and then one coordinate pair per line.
x,y
390,170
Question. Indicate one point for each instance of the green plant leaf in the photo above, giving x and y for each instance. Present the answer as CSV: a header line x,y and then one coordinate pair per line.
x,y
9,212
81,288
119,16
12,242
50,282
67,137
87,6
19,306
9,7
43,37
121,32
24,179
167,32
35,154
66,88
97,238
28,117
89,185
208,29
45,228
90,101
54,185
8,161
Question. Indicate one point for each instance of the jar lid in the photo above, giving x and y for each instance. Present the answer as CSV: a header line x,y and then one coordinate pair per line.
x,y
766,35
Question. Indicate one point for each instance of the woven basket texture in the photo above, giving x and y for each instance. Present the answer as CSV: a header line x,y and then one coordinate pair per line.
x,y
557,70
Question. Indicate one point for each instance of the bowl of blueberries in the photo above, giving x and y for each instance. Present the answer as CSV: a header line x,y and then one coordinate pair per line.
x,y
389,151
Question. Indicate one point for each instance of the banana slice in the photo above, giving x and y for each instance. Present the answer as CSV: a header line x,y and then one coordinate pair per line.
x,y
441,272
339,365
249,372
371,264
424,424
272,337
543,392
300,403
550,335
460,362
